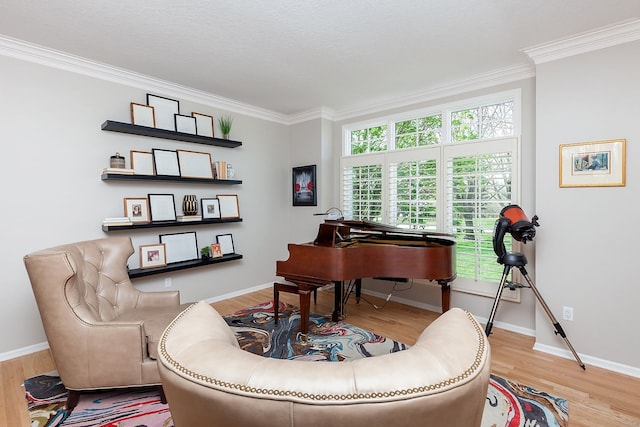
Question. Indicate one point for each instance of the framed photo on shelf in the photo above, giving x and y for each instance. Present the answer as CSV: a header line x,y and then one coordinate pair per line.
x,y
226,243
166,162
164,109
216,250
162,207
593,164
229,207
137,209
153,256
204,124
195,164
185,124
210,208
141,162
180,246
304,186
143,115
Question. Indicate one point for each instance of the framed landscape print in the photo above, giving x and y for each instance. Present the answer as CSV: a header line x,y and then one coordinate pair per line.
x,y
593,164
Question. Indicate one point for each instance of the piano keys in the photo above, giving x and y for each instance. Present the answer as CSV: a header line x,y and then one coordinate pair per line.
x,y
352,250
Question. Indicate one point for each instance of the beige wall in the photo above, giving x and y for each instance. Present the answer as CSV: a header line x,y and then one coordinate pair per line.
x,y
587,250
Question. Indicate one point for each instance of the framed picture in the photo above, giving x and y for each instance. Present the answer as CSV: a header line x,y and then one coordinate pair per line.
x,y
164,111
166,162
204,124
593,164
143,115
180,246
210,208
141,162
153,256
304,186
216,250
136,209
185,124
229,207
194,164
162,207
226,244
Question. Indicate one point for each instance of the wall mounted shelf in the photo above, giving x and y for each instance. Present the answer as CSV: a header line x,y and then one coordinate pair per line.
x,y
113,126
164,224
126,177
176,266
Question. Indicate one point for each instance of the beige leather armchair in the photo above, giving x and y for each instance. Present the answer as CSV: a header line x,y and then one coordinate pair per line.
x,y
102,332
209,380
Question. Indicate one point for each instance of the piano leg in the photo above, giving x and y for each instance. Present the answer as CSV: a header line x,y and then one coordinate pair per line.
x,y
446,295
337,301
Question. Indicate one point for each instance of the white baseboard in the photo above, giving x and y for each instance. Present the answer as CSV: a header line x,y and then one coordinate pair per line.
x,y
588,360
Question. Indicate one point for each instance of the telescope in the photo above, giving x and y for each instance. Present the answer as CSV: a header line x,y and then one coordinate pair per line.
x,y
513,220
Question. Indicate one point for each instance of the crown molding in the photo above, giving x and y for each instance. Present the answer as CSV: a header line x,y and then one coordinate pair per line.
x,y
612,35
33,53
479,81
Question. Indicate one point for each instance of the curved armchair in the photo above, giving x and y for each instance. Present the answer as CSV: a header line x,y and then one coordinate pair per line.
x,y
102,332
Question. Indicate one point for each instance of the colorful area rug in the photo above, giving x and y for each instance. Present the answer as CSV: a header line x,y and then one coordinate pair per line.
x,y
508,404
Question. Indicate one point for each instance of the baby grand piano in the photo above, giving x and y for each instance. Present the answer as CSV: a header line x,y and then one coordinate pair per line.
x,y
351,250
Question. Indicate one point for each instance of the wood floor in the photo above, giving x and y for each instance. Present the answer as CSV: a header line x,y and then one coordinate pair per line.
x,y
597,397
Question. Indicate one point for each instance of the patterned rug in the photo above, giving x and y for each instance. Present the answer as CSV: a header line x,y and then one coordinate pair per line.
x,y
508,404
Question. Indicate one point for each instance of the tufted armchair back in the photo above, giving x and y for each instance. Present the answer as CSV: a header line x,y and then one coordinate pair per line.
x,y
102,331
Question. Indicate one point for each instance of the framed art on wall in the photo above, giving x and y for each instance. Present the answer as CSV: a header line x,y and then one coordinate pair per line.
x,y
210,207
593,164
229,207
153,256
204,124
142,115
180,246
136,209
162,207
141,162
166,162
304,186
195,164
165,110
226,243
185,124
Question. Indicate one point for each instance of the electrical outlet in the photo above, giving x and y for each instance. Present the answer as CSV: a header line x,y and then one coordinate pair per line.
x,y
567,313
167,282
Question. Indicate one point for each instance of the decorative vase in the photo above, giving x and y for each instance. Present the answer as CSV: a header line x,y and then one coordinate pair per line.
x,y
190,205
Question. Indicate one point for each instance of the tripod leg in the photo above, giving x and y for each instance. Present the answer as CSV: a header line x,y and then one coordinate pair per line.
x,y
505,273
556,324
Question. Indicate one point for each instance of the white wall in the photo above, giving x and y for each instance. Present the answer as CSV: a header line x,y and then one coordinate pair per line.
x,y
54,152
587,254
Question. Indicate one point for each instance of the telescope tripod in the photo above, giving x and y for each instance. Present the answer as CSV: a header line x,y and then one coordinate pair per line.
x,y
511,260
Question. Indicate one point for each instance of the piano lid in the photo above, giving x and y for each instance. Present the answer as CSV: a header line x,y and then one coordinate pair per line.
x,y
373,227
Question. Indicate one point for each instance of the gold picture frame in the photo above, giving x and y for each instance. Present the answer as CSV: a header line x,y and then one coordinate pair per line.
x,y
593,164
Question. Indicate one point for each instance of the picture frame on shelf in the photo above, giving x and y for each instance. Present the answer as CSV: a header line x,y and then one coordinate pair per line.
x,y
304,188
185,124
210,207
195,164
180,246
164,109
143,115
141,162
226,244
152,256
204,124
216,250
593,164
166,162
162,207
229,205
137,209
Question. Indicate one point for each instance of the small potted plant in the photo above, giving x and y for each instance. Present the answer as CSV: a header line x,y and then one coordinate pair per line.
x,y
225,123
205,252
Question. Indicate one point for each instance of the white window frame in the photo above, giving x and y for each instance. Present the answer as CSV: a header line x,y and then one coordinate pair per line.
x,y
442,152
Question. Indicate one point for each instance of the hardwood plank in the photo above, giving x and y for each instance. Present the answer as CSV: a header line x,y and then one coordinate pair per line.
x,y
597,397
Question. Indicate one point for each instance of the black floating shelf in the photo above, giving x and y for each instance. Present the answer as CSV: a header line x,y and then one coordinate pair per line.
x,y
127,177
161,224
176,266
167,134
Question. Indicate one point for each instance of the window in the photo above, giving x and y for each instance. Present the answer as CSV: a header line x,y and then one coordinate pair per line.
x,y
451,169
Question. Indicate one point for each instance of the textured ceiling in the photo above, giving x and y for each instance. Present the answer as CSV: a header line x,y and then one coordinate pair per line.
x,y
292,56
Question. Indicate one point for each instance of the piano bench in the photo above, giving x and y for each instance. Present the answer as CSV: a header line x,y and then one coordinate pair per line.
x,y
302,289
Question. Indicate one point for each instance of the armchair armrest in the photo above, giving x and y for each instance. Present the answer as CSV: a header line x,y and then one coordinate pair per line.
x,y
158,299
